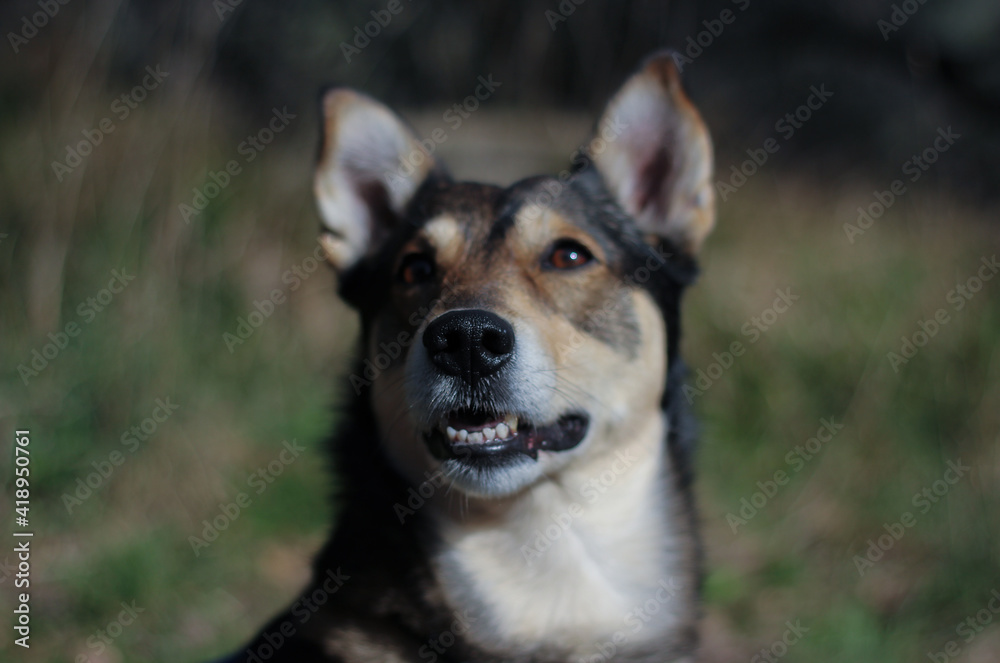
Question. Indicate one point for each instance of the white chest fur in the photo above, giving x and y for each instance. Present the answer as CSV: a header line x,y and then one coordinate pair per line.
x,y
574,561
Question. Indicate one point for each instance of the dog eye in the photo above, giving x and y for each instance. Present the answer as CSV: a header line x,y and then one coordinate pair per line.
x,y
416,268
568,254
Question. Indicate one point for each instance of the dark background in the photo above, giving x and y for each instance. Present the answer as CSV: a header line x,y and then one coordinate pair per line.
x,y
894,87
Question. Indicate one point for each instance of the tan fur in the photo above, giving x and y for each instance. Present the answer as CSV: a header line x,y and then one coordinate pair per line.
x,y
611,552
446,236
608,555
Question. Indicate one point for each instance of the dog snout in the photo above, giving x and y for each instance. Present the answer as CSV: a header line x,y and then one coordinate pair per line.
x,y
470,343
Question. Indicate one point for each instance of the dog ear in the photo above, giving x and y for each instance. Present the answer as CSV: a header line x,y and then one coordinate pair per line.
x,y
370,167
655,155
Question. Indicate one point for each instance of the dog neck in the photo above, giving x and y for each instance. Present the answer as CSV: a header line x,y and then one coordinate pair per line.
x,y
567,562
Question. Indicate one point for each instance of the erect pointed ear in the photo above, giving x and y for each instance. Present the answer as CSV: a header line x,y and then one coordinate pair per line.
x,y
370,167
656,156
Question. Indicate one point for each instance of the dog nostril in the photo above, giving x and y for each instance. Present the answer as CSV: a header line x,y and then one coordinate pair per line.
x,y
498,341
455,339
442,340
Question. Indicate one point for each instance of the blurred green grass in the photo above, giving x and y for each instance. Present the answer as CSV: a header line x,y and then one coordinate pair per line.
x,y
163,337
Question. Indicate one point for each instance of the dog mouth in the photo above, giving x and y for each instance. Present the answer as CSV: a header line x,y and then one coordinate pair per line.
x,y
473,433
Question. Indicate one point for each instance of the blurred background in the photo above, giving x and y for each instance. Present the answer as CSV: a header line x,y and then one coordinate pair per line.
x,y
156,190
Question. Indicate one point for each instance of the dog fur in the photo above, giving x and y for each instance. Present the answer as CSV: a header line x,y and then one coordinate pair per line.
x,y
577,540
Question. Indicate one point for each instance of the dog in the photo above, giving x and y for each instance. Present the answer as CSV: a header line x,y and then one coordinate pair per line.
x,y
516,464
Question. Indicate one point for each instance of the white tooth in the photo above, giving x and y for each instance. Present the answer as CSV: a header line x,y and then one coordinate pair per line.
x,y
451,433
476,438
489,433
503,432
462,435
511,422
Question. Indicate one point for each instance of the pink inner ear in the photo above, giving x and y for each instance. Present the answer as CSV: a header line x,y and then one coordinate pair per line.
x,y
652,182
646,147
659,166
375,196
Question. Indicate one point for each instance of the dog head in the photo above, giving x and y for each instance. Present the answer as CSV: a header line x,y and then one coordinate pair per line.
x,y
511,332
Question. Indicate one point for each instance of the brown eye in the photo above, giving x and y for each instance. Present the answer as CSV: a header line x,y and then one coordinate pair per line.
x,y
416,268
568,254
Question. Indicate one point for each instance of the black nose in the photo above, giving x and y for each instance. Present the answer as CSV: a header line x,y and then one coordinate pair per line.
x,y
471,343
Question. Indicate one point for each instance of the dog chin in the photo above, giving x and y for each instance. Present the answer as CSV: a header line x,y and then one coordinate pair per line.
x,y
492,477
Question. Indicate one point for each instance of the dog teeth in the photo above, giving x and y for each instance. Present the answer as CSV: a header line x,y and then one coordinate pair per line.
x,y
502,431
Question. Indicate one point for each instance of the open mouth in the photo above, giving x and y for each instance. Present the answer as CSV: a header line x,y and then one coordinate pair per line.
x,y
472,433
